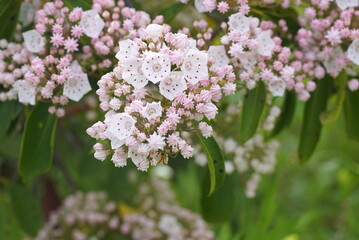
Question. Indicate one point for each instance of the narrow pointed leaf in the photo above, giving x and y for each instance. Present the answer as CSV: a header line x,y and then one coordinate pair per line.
x,y
352,114
253,106
332,114
219,206
9,227
84,4
9,11
215,161
37,142
26,208
8,112
311,126
287,113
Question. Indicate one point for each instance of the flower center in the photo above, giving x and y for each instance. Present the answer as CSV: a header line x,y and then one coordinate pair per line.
x,y
156,67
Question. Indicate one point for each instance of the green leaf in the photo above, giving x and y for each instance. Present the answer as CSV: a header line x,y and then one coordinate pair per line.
x,y
332,114
215,161
170,12
9,12
311,126
253,106
84,4
8,112
9,227
37,142
351,104
219,206
26,208
287,113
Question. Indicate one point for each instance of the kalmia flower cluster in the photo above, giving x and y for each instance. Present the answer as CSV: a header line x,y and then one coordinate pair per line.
x,y
327,26
256,55
161,87
56,70
94,216
14,64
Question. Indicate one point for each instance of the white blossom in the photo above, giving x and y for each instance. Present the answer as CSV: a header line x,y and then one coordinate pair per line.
x,y
218,53
34,42
91,23
265,44
128,49
121,125
353,52
152,110
25,91
195,67
139,159
239,22
132,73
173,85
277,87
76,86
330,62
154,31
156,67
344,4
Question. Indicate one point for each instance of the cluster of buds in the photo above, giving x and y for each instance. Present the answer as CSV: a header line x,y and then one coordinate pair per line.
x,y
161,87
94,216
256,55
14,64
326,28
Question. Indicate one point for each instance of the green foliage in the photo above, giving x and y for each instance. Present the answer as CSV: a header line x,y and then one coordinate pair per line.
x,y
215,160
287,113
26,208
84,4
37,142
9,12
333,113
170,12
8,112
351,104
219,206
9,227
311,126
253,106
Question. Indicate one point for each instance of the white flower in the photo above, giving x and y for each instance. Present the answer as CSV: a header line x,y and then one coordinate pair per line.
x,y
139,159
132,73
218,53
156,67
25,91
121,125
76,67
169,225
154,31
265,44
152,110
156,142
199,6
128,49
195,67
34,42
277,88
330,62
173,85
119,158
92,23
353,52
76,86
344,4
239,22
26,13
